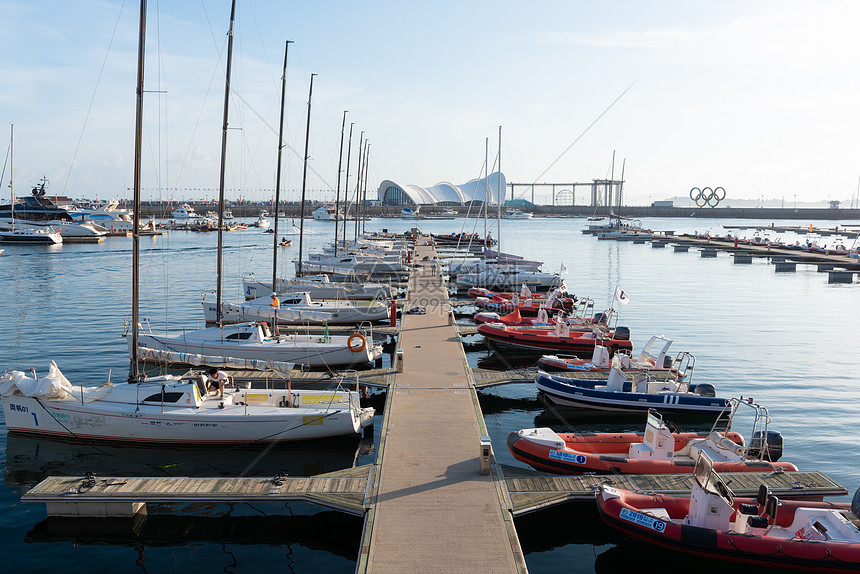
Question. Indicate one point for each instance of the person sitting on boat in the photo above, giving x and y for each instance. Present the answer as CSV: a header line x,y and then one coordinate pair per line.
x,y
218,379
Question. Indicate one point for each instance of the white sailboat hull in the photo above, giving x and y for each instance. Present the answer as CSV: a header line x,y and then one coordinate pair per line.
x,y
318,290
169,424
310,350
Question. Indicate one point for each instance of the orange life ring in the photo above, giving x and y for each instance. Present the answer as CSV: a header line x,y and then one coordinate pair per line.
x,y
353,337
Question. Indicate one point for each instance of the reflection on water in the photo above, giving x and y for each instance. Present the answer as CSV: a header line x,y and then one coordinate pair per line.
x,y
328,530
30,459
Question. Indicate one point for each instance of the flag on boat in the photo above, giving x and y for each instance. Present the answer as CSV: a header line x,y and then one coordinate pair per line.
x,y
621,296
563,269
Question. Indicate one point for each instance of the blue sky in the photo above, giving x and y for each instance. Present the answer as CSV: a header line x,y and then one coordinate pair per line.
x,y
757,97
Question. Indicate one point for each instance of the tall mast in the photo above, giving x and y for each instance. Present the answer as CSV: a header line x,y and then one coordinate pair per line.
x,y
500,197
12,172
135,234
224,159
278,171
346,184
337,197
486,185
364,200
611,186
305,177
358,184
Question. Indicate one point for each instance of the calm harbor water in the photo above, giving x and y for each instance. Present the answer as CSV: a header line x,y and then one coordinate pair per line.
x,y
786,339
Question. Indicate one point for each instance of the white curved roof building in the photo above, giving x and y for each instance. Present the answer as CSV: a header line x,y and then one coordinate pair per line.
x,y
444,193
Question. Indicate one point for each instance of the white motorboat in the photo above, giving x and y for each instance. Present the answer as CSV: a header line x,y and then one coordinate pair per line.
x,y
516,214
255,341
185,211
174,410
228,214
319,287
107,215
407,213
326,213
263,220
31,236
295,309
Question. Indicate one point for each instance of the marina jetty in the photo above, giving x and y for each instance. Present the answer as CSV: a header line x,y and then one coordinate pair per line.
x,y
435,498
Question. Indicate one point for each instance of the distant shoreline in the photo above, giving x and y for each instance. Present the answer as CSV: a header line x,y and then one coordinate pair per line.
x,y
292,210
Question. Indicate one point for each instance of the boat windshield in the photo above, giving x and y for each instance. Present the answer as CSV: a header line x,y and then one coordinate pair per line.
x,y
654,419
710,481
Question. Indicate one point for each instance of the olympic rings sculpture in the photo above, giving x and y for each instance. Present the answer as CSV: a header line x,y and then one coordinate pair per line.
x,y
707,196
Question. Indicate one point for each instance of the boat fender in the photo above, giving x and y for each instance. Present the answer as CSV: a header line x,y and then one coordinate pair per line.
x,y
362,342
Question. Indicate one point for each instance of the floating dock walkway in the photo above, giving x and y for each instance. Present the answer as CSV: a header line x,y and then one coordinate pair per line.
x,y
436,499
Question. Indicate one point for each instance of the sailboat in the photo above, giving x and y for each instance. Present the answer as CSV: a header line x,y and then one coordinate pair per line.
x,y
171,409
502,273
29,235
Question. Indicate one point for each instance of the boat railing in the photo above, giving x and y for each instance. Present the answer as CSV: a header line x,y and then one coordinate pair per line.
x,y
761,421
683,365
584,309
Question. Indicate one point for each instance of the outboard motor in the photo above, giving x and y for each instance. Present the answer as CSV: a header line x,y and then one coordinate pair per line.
x,y
774,445
622,333
668,361
703,389
599,318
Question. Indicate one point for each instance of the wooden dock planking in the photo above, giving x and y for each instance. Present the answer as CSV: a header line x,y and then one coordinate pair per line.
x,y
342,490
431,506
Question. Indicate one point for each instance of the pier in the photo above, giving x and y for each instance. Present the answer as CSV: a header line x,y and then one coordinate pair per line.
x,y
712,245
435,498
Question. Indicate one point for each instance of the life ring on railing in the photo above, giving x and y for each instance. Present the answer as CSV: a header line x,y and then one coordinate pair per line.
x,y
361,338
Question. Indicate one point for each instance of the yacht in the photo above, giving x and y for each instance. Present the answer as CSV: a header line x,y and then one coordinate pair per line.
x,y
326,213
263,221
107,214
184,211
38,212
517,214
31,237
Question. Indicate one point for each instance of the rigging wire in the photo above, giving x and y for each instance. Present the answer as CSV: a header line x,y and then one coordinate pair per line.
x,y
93,97
585,131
